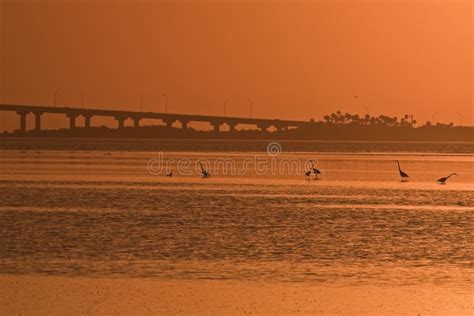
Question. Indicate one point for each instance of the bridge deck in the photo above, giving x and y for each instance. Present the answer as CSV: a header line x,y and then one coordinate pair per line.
x,y
120,114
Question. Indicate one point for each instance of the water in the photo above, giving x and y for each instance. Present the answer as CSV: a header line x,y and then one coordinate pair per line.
x,y
66,211
234,145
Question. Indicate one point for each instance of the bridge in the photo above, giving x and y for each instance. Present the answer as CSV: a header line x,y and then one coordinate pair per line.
x,y
121,116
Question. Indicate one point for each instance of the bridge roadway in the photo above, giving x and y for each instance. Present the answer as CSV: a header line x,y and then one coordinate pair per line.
x,y
122,116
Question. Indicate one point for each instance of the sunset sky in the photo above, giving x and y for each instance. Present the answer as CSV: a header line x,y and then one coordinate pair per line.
x,y
293,59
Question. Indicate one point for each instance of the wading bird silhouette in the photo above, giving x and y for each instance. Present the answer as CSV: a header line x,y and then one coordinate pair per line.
x,y
403,175
204,172
312,169
169,174
316,172
444,179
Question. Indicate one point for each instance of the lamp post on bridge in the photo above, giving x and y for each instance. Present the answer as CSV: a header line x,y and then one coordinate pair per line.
x,y
55,101
225,107
166,102
250,107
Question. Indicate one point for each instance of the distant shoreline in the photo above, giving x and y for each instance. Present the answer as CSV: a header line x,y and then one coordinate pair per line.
x,y
47,138
37,144
318,132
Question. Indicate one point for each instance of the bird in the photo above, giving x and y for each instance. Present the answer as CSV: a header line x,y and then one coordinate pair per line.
x,y
403,175
316,172
169,174
444,179
204,172
312,169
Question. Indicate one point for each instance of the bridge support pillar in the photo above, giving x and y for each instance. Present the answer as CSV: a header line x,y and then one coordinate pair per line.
x,y
87,121
136,122
231,126
184,124
120,121
169,123
72,120
22,121
216,126
38,121
263,127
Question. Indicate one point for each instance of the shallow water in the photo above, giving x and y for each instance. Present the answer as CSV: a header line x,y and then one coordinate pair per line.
x,y
222,145
71,212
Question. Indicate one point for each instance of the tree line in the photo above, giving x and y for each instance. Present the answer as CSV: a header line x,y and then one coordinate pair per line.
x,y
367,119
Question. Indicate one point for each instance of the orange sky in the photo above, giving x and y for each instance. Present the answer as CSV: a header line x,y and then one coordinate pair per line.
x,y
294,59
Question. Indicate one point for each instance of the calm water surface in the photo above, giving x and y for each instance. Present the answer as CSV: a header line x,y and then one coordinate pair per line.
x,y
67,211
